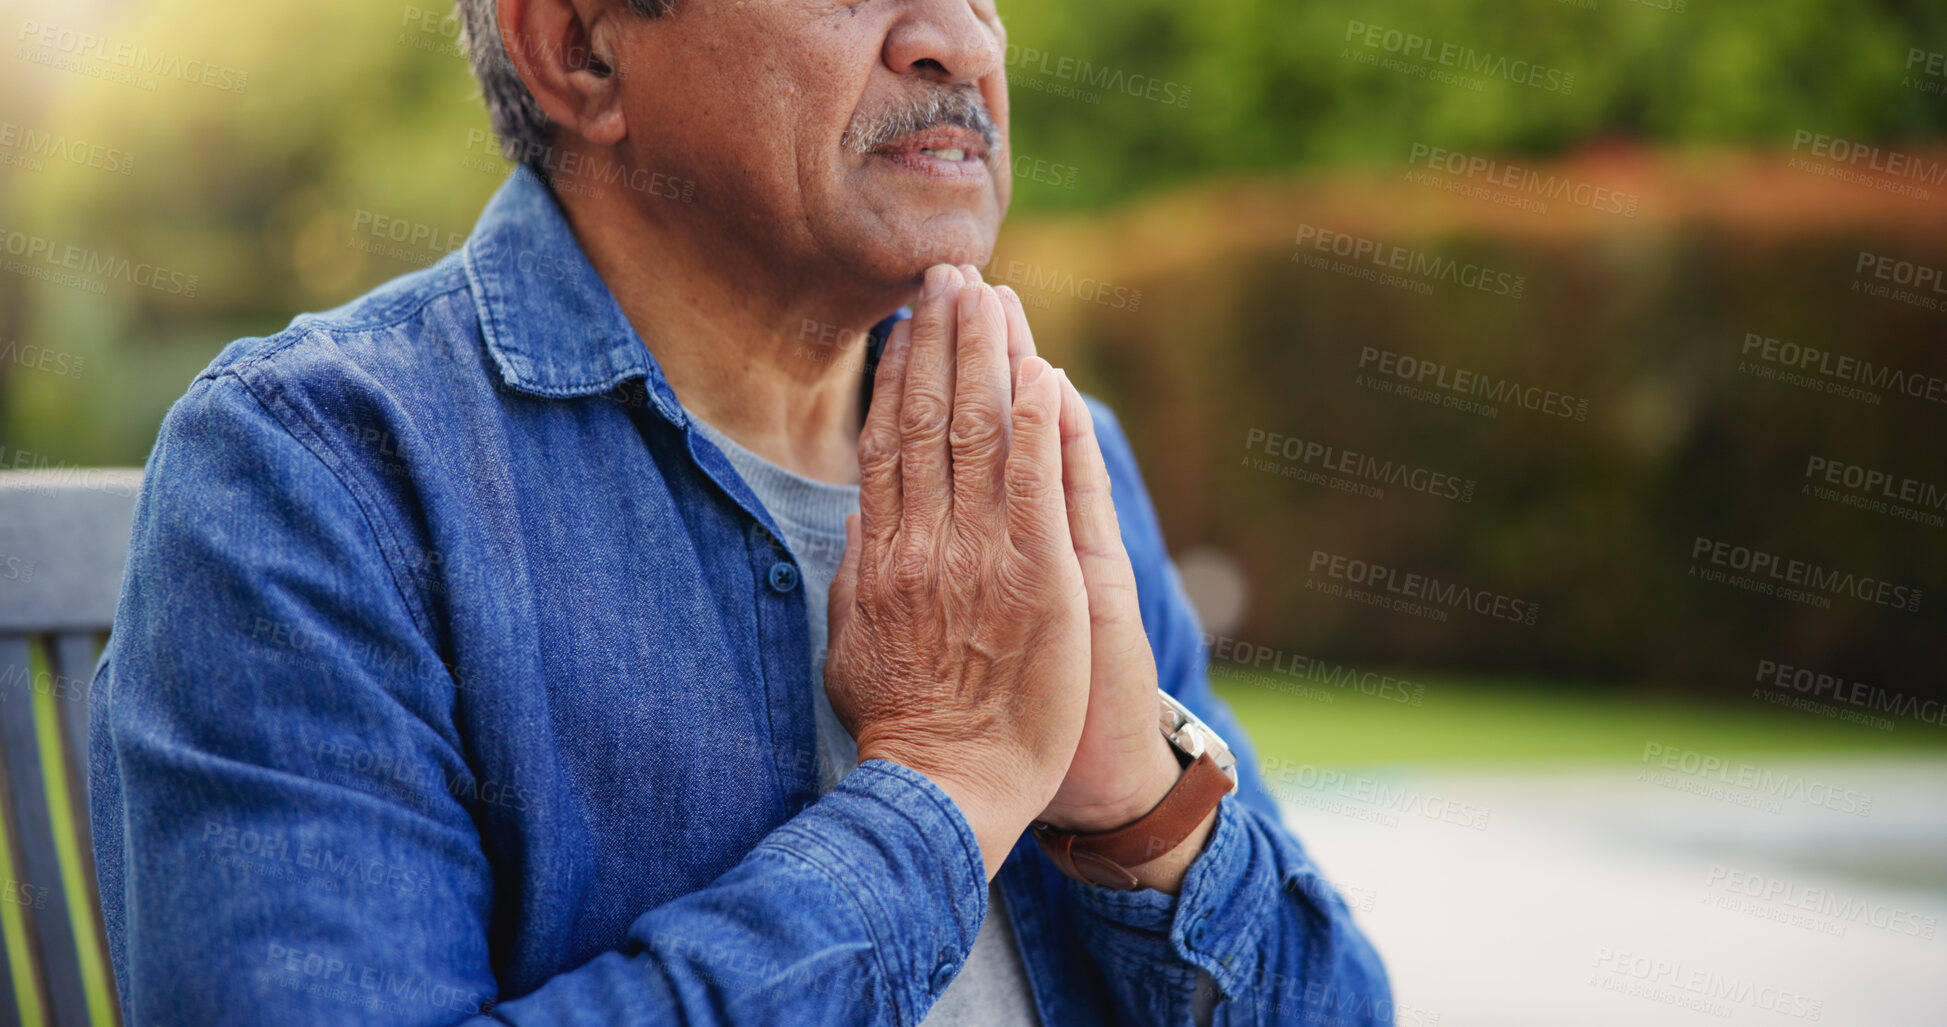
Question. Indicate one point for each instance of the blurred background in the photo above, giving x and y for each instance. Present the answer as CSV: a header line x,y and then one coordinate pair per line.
x,y
1544,401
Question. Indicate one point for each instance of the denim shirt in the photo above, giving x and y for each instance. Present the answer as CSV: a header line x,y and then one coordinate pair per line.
x,y
458,679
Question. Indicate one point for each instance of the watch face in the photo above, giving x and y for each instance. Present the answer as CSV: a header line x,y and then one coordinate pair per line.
x,y
1192,737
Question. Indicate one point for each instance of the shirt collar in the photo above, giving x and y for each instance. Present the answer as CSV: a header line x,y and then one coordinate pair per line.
x,y
549,320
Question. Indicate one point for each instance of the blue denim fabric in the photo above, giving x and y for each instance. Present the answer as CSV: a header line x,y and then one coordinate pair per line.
x,y
456,679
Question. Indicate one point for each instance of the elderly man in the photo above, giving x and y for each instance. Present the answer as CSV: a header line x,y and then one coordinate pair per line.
x,y
475,661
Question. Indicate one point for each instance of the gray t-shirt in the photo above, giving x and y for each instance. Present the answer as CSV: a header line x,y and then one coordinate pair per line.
x,y
992,988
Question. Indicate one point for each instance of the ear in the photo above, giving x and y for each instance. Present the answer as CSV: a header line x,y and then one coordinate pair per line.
x,y
555,47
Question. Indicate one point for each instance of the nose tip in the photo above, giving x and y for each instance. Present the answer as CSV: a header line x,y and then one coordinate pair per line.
x,y
946,40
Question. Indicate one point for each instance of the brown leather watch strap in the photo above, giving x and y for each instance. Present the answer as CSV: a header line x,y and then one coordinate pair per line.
x,y
1104,858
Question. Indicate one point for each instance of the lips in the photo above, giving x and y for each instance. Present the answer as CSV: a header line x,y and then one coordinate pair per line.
x,y
949,143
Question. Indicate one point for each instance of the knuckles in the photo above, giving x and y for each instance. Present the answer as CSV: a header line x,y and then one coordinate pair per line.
x,y
976,432
923,416
910,571
1034,415
878,451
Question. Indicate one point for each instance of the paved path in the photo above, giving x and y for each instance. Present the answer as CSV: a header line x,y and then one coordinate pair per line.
x,y
1638,895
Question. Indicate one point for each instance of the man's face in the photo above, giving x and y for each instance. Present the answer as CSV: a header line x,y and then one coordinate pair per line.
x,y
866,139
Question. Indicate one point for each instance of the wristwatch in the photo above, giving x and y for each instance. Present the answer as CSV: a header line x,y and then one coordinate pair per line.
x,y
1104,858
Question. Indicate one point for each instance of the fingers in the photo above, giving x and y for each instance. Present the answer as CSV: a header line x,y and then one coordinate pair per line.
x,y
981,391
1036,521
1085,481
879,441
1092,526
1020,341
845,583
925,406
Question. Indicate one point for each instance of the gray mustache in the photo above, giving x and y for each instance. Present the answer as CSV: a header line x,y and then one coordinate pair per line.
x,y
961,107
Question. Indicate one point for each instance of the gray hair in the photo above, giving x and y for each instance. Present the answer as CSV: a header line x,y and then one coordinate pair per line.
x,y
941,105
526,135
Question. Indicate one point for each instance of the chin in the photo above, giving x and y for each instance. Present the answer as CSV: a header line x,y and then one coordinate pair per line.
x,y
900,256
962,237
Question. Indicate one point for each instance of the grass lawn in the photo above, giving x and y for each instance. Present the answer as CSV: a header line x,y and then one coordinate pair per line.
x,y
1491,722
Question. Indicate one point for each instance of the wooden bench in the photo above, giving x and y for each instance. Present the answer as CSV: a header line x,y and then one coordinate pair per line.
x,y
63,540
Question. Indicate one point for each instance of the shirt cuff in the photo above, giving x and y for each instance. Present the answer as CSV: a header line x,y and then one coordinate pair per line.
x,y
899,848
1212,925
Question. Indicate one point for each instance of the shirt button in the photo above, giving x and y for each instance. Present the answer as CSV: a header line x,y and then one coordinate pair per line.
x,y
784,576
1198,932
943,976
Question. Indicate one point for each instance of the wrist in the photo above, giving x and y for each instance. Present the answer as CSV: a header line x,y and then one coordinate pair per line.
x,y
1154,850
1149,779
994,815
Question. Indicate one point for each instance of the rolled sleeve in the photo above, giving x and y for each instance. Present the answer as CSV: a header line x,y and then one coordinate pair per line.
x,y
884,835
1214,925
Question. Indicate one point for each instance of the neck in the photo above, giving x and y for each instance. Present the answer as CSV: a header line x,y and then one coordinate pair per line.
x,y
770,359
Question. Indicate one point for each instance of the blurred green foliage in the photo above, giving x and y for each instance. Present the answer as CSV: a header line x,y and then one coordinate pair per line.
x,y
367,108
1272,84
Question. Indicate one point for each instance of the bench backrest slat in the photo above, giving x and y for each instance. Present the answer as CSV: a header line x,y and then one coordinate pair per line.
x,y
50,929
63,541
